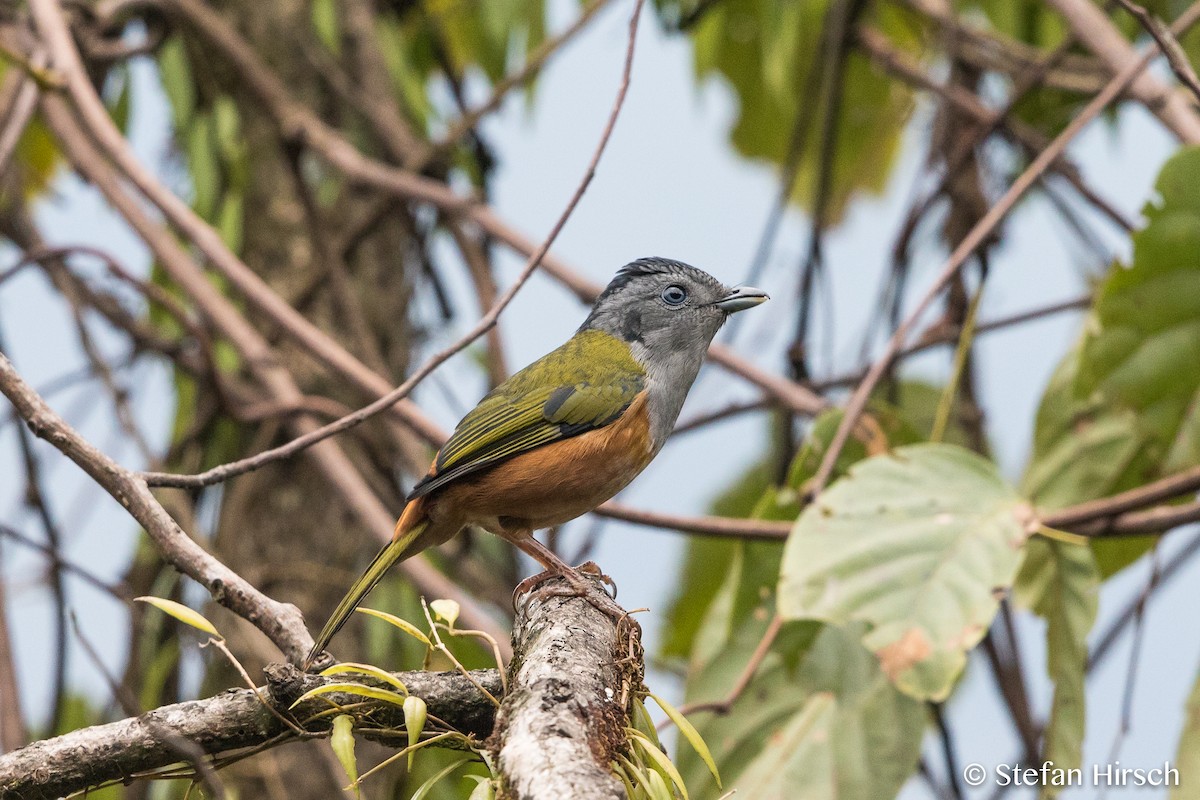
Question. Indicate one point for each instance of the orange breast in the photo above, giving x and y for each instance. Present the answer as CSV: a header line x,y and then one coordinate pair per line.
x,y
557,482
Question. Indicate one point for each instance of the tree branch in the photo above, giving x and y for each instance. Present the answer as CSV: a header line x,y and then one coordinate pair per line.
x,y
281,622
233,721
1107,507
563,719
1170,46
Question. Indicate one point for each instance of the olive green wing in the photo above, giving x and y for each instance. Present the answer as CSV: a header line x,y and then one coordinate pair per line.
x,y
584,385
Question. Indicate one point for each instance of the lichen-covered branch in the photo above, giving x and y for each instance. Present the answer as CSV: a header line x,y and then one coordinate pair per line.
x,y
230,721
564,717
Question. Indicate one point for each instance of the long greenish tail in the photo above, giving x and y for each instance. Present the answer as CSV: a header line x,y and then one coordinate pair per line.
x,y
393,551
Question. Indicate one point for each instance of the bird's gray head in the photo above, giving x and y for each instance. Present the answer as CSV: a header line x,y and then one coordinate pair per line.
x,y
668,312
667,306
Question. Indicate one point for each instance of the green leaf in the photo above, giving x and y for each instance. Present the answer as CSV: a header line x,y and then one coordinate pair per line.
x,y
1061,584
485,788
366,669
446,610
428,785
325,24
689,732
875,736
798,760
359,689
769,53
656,786
118,107
1187,759
392,619
176,75
203,164
753,495
179,611
659,758
1143,337
415,714
230,218
915,543
342,742
1083,450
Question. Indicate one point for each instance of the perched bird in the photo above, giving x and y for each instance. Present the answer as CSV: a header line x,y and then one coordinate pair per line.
x,y
570,430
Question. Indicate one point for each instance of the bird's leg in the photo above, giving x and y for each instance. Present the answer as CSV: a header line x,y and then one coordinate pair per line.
x,y
556,567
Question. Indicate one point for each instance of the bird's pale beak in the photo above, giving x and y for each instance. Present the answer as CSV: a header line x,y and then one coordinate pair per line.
x,y
740,298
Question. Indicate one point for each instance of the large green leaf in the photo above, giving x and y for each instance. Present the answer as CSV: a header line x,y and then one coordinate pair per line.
x,y
1187,760
871,733
1081,451
798,760
918,544
706,560
1084,449
1060,583
1143,341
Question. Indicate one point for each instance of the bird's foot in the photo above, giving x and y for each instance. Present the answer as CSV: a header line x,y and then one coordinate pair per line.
x,y
581,582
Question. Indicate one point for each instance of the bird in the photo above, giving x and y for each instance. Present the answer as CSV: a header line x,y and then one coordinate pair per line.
x,y
572,429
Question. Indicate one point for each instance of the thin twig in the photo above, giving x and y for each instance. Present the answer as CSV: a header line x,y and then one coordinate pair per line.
x,y
761,650
728,527
1170,46
13,733
1135,655
1106,640
1071,517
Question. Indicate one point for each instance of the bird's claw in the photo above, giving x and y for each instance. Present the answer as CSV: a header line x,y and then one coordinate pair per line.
x,y
578,586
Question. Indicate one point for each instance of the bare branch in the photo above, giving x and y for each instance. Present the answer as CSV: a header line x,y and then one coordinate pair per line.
x,y
725,527
1159,519
1106,507
229,723
281,622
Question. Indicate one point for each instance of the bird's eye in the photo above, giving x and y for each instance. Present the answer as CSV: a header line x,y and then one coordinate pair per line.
x,y
674,295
